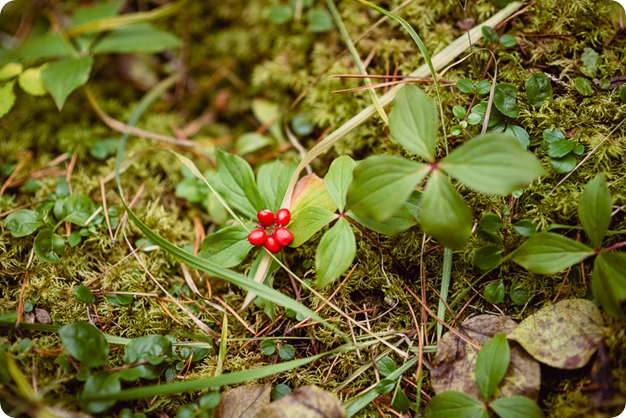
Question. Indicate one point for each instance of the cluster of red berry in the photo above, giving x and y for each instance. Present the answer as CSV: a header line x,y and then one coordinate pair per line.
x,y
272,231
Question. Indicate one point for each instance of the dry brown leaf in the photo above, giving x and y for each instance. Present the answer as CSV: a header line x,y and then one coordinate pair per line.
x,y
564,335
243,401
455,360
305,402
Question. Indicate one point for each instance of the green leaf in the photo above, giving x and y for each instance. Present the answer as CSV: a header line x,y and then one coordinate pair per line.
x,y
385,386
280,391
74,238
493,163
335,253
306,222
565,164
465,86
10,70
583,86
267,347
280,14
273,181
301,125
46,46
49,246
459,112
251,142
538,89
516,407
338,180
287,352
7,98
551,135
62,77
519,295
319,20
608,282
269,114
104,148
386,366
400,221
492,363
590,59
490,222
483,87
227,247
143,38
76,208
444,214
97,384
23,222
594,210
30,82
622,93
494,292
400,402
84,294
235,181
549,253
413,121
520,134
382,184
489,33
454,404
507,40
524,227
85,343
560,148
152,351
487,257
579,149
505,100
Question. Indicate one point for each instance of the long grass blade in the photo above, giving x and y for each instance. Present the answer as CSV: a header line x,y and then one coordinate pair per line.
x,y
356,58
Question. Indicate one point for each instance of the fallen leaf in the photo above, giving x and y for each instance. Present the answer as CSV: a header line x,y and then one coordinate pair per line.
x,y
455,360
564,335
305,402
243,401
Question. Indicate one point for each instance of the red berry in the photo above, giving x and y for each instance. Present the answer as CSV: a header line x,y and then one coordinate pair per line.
x,y
283,217
272,244
257,237
283,236
266,217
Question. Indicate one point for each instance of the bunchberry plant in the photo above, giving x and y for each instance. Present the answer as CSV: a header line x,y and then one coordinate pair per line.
x,y
549,253
492,363
492,163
